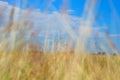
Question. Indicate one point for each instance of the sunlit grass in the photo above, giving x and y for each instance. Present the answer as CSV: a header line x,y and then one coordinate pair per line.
x,y
60,66
22,58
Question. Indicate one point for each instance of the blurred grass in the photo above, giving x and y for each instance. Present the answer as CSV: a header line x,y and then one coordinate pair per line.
x,y
61,66
22,59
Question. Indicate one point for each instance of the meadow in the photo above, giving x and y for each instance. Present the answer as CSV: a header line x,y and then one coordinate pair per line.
x,y
23,58
58,66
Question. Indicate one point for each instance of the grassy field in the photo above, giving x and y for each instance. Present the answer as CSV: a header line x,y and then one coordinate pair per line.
x,y
22,58
61,66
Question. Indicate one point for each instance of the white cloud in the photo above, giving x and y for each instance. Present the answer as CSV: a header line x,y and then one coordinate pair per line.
x,y
114,35
57,22
2,3
70,11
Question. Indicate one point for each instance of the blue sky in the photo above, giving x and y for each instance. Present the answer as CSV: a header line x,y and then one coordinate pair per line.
x,y
76,5
107,12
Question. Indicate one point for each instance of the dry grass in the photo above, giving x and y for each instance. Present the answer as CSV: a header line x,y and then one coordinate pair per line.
x,y
22,59
61,66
